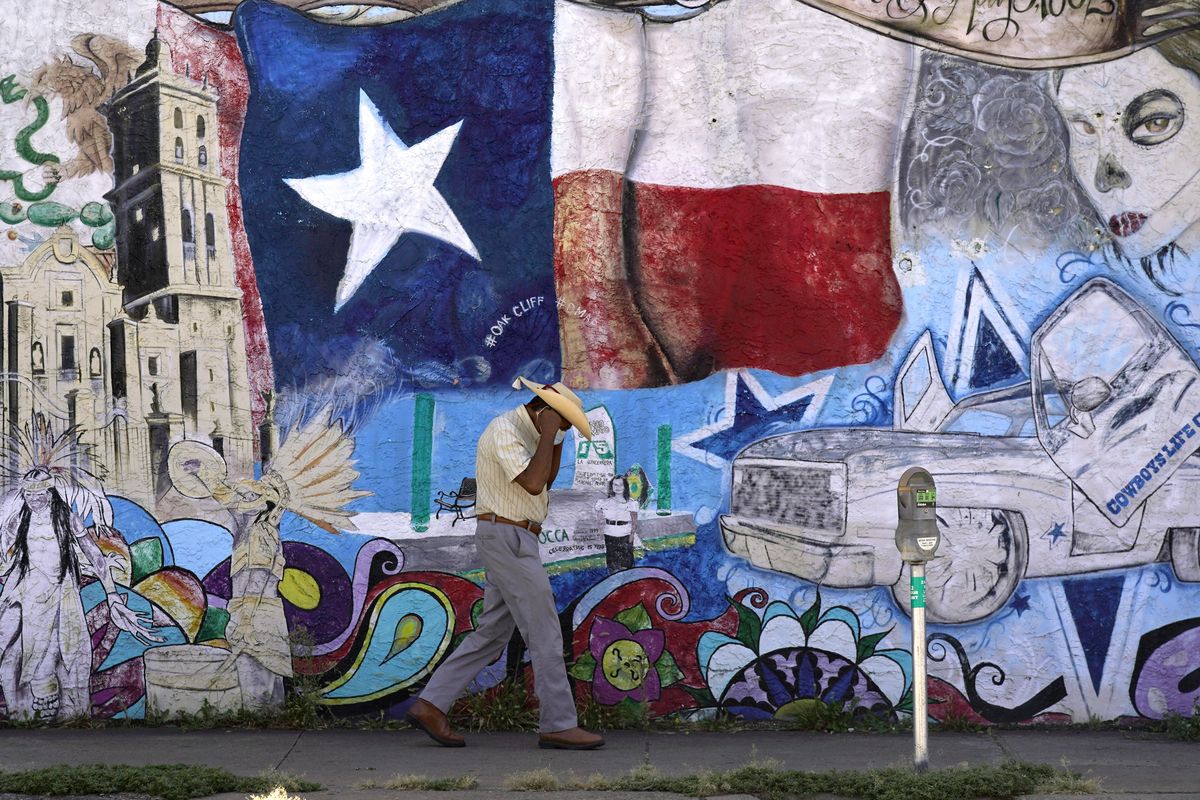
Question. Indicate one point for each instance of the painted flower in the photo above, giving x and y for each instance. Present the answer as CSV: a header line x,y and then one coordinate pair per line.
x,y
626,658
780,663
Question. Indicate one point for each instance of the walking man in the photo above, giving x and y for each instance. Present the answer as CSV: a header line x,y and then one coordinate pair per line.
x,y
516,463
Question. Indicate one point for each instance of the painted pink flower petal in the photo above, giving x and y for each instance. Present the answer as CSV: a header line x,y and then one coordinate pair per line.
x,y
652,641
651,688
605,632
604,692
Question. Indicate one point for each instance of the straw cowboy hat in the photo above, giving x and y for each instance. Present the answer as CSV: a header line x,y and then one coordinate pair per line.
x,y
562,400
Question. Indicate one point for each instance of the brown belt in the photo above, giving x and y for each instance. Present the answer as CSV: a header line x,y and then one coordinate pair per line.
x,y
533,527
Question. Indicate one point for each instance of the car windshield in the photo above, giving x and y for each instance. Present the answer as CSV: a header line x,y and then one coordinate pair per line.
x,y
974,420
1056,412
1097,338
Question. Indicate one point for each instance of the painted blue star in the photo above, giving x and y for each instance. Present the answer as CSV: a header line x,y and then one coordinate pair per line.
x,y
1020,603
1054,534
751,421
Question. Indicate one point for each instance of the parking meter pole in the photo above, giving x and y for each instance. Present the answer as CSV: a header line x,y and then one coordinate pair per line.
x,y
917,539
920,717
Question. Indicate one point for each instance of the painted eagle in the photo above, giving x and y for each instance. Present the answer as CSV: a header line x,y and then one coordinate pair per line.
x,y
82,91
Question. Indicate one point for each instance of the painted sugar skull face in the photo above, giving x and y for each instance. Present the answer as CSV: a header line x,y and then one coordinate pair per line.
x,y
1135,135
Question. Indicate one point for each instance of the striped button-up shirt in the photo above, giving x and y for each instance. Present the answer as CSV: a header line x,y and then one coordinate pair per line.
x,y
505,450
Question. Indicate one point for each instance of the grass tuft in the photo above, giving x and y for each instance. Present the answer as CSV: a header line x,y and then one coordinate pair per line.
x,y
627,715
537,780
168,781
508,706
1185,729
422,783
1002,782
1066,782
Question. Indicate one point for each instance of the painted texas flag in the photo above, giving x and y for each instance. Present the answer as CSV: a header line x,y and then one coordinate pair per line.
x,y
722,191
398,199
705,194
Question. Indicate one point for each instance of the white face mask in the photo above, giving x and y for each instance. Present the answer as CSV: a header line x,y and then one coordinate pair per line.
x,y
558,439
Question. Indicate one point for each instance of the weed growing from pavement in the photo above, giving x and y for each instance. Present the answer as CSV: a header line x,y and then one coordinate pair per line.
x,y
508,706
1066,782
1008,780
168,781
535,780
626,715
840,717
421,783
1185,729
959,722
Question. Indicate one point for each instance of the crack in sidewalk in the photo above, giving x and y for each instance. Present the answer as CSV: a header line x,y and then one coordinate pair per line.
x,y
279,763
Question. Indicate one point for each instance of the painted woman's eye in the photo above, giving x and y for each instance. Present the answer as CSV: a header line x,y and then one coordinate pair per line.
x,y
1153,117
1084,127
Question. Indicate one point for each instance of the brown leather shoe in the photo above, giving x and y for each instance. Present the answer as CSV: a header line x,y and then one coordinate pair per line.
x,y
430,719
573,739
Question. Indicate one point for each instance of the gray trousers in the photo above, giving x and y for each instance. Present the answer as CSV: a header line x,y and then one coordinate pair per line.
x,y
517,594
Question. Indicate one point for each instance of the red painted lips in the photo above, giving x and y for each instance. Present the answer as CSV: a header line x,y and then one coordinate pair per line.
x,y
1126,224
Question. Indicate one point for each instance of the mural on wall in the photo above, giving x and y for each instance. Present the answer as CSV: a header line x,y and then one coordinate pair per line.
x,y
268,273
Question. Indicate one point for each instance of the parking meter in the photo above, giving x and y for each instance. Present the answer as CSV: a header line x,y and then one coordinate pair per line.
x,y
917,539
917,536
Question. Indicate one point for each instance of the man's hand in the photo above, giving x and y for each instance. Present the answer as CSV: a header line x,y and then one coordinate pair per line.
x,y
538,476
549,422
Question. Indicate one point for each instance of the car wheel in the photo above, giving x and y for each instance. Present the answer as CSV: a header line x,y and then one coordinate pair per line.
x,y
978,565
1185,554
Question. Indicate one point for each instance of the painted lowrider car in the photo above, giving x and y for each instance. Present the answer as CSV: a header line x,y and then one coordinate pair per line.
x,y
1087,466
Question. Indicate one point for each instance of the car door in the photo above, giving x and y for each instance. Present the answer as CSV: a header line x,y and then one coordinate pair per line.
x,y
1130,391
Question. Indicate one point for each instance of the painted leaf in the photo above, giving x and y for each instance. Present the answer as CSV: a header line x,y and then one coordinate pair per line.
x,y
867,644
104,236
95,214
147,556
51,214
808,620
703,697
12,212
214,624
749,625
584,668
668,670
476,610
635,619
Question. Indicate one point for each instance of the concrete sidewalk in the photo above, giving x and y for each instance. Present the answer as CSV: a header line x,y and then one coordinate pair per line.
x,y
1127,764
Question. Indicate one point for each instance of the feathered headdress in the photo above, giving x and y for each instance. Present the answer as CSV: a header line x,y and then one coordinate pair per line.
x,y
35,458
314,473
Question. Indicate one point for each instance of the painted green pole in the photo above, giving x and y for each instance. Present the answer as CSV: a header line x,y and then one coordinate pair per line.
x,y
422,461
664,470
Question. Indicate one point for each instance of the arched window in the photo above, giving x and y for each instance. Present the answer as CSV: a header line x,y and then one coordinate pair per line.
x,y
203,156
210,235
186,218
199,127
178,150
178,118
